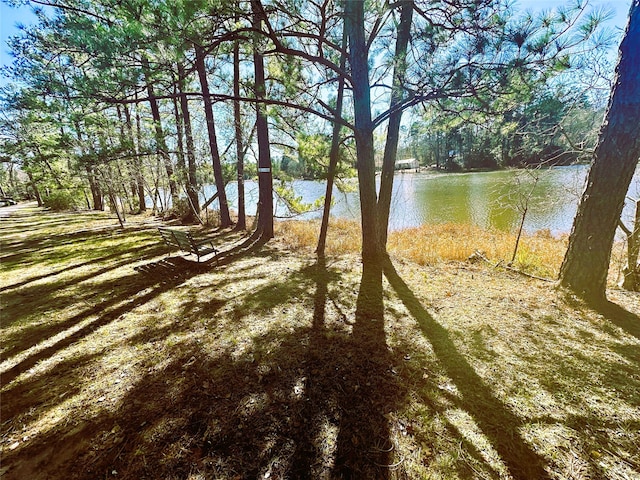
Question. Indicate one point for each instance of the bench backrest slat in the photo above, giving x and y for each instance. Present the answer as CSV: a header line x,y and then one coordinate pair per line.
x,y
178,238
168,237
184,241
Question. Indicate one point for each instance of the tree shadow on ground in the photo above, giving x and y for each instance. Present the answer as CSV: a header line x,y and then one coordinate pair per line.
x,y
113,256
106,302
172,274
594,434
38,294
627,321
312,397
310,401
40,247
495,420
247,245
365,427
32,297
121,295
35,300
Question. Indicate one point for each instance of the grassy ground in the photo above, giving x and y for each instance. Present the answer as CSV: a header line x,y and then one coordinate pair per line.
x,y
120,362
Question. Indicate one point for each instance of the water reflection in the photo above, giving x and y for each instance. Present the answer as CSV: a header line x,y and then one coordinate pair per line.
x,y
487,199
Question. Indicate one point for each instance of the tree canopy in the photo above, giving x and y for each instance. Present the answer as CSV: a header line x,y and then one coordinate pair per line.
x,y
129,98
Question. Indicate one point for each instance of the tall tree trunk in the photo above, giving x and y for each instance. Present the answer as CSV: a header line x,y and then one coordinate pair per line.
x,y
237,123
96,191
363,131
108,181
193,206
393,129
334,155
192,181
129,162
180,157
265,178
136,164
161,144
125,191
34,186
586,263
225,218
94,185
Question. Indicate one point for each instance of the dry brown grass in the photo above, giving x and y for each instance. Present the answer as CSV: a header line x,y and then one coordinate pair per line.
x,y
538,254
343,236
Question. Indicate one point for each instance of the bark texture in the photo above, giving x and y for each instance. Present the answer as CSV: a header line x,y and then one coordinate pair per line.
x,y
192,180
334,155
393,129
225,218
363,131
586,263
265,175
630,271
237,125
161,144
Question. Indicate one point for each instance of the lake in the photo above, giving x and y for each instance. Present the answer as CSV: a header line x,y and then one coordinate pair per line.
x,y
488,199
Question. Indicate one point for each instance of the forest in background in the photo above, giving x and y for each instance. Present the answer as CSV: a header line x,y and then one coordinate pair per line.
x,y
125,99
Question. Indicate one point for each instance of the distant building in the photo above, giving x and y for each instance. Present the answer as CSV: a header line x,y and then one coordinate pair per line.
x,y
407,164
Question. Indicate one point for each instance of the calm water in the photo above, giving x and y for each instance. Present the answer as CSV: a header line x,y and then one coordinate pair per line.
x,y
487,199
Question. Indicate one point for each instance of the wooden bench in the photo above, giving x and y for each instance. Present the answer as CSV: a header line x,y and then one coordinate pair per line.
x,y
185,242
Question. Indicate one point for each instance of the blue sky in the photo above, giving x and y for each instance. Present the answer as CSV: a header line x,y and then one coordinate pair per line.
x,y
10,17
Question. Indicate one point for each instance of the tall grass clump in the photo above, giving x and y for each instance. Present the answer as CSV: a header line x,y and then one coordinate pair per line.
x,y
429,244
538,254
343,236
541,254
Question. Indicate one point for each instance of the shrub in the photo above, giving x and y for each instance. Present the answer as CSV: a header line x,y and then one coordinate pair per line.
x,y
482,158
182,211
60,200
